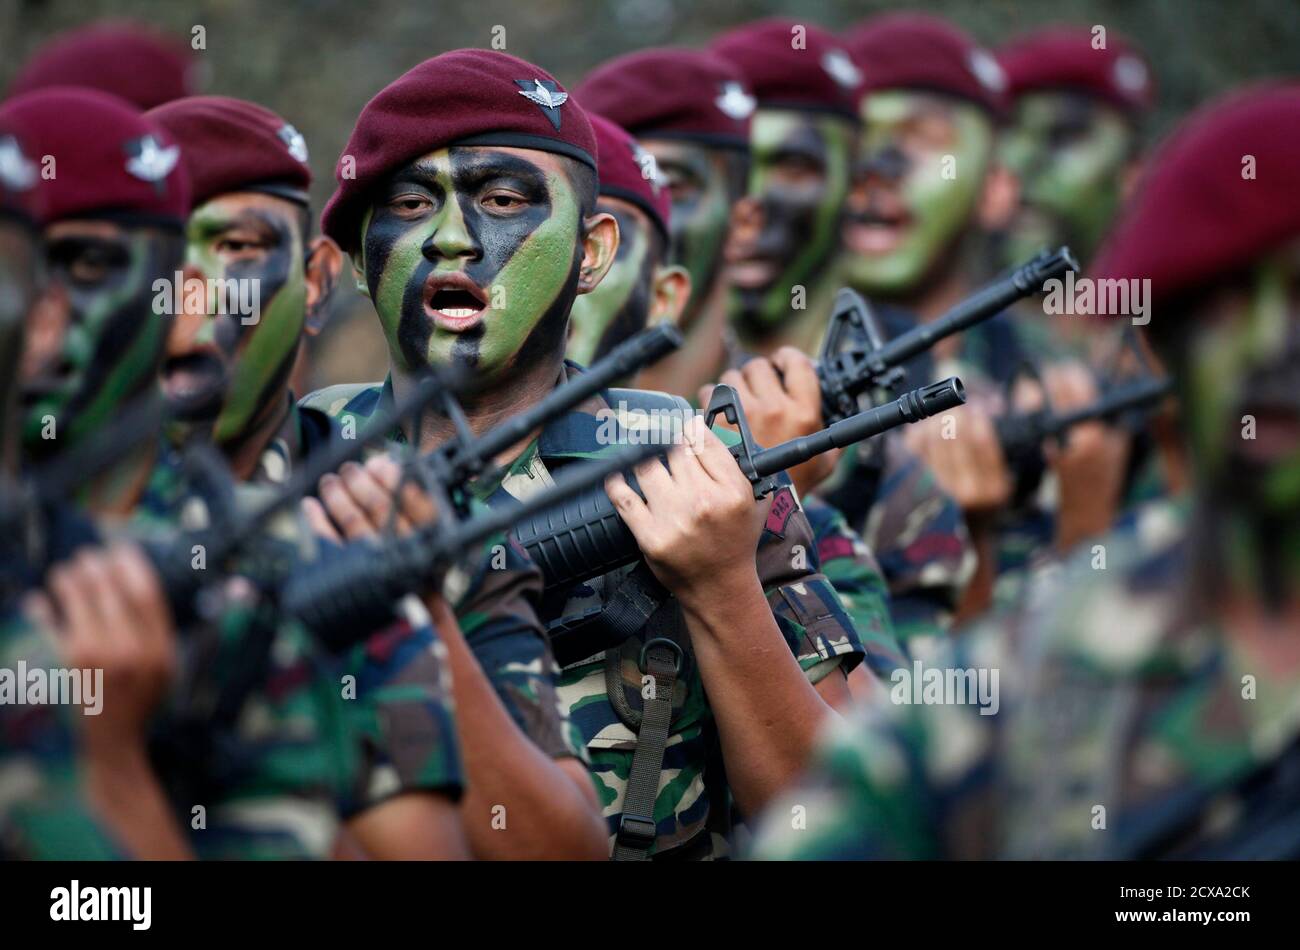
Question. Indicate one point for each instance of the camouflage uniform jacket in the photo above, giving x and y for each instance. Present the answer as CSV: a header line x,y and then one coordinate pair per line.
x,y
1117,709
260,770
693,804
396,685
915,529
849,565
494,593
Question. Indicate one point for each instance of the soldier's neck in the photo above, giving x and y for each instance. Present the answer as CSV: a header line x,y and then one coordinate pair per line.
x,y
516,390
1254,560
701,358
244,452
947,282
118,491
807,325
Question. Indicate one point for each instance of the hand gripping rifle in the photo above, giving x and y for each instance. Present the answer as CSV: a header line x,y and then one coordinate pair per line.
x,y
345,596
1022,434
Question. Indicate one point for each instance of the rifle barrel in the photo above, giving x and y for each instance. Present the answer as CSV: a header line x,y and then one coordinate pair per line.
x,y
909,407
981,305
624,360
1132,396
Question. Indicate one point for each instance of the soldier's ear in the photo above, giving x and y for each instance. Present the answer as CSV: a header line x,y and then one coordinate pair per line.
x,y
999,198
321,275
359,272
599,245
669,293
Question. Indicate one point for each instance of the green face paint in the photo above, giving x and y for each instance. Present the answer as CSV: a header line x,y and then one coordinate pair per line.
x,y
19,276
110,341
1070,152
471,257
1242,399
236,363
920,170
799,176
619,306
699,181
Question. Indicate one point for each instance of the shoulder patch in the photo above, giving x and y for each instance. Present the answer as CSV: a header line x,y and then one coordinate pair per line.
x,y
778,516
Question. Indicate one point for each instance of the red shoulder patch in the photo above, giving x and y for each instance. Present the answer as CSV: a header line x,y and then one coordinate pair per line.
x,y
783,506
836,546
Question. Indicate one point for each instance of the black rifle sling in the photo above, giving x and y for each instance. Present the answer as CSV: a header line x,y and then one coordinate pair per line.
x,y
640,603
661,660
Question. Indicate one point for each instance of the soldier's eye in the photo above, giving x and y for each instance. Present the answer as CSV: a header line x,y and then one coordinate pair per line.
x,y
87,262
232,246
410,204
501,201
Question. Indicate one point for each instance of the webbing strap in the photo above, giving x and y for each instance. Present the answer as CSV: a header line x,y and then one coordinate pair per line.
x,y
661,658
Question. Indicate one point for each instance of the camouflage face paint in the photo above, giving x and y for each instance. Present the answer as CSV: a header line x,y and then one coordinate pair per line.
x,y
1069,152
236,364
19,278
1243,363
698,179
109,342
799,175
921,165
620,305
471,256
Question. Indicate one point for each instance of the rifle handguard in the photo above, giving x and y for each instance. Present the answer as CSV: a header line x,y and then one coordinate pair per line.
x,y
585,538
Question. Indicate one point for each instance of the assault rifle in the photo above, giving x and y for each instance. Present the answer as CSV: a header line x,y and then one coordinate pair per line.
x,y
351,592
856,360
1023,434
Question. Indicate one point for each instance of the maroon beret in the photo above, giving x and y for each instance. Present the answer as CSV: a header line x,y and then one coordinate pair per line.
x,y
141,66
792,65
1064,58
672,93
918,51
628,171
108,157
19,176
464,97
1220,193
232,145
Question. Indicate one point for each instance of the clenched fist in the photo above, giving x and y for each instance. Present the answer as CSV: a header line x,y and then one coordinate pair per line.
x,y
698,524
360,500
107,612
782,398
963,451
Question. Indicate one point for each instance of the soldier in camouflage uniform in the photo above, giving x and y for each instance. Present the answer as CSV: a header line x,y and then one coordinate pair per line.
x,y
473,254
251,221
20,284
643,287
630,190
700,144
227,371
238,730
1148,700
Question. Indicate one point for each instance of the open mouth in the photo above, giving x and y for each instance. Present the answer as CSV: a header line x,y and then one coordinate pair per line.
x,y
752,274
876,231
194,381
56,381
454,302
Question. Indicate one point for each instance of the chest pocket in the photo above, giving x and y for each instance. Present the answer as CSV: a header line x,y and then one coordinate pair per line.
x,y
606,692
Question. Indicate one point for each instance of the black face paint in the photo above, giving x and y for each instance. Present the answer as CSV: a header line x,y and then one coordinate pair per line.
x,y
508,258
112,343
799,179
245,358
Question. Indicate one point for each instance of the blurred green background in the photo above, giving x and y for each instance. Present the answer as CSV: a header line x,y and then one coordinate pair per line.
x,y
317,62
